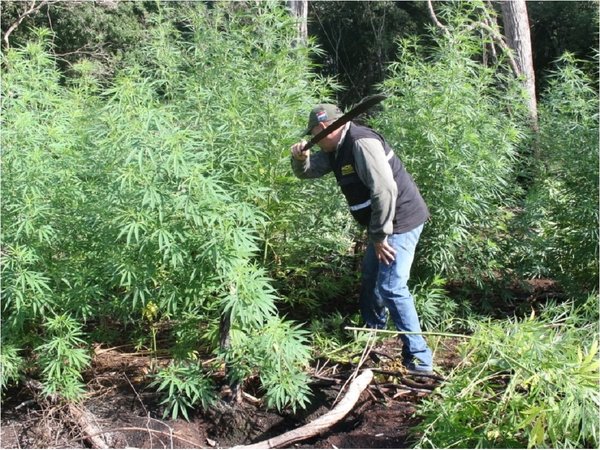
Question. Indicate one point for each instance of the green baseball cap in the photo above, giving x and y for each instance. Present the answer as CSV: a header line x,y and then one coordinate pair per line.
x,y
322,113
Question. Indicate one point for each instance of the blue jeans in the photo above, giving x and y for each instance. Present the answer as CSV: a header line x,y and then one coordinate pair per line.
x,y
385,287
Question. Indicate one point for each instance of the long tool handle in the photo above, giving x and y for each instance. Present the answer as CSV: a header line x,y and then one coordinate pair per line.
x,y
367,103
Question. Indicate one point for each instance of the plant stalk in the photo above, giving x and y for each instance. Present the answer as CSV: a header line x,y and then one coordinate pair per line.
x,y
426,333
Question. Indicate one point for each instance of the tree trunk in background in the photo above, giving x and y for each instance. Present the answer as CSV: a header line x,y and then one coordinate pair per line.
x,y
299,9
516,31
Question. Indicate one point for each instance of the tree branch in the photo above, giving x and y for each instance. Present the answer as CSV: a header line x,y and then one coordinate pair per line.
x,y
170,434
32,9
322,423
435,20
496,36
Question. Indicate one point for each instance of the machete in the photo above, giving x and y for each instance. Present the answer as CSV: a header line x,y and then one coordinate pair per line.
x,y
367,103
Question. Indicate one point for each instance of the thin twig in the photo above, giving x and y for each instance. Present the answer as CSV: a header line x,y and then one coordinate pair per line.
x,y
58,431
25,403
496,36
503,45
328,379
251,398
136,393
402,374
435,19
14,26
378,389
368,390
407,383
149,430
400,393
378,352
368,347
424,333
16,437
164,424
164,433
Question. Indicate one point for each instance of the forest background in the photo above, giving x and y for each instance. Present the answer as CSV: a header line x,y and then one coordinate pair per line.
x,y
147,199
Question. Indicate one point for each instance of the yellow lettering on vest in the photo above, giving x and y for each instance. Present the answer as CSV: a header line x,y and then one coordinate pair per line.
x,y
347,170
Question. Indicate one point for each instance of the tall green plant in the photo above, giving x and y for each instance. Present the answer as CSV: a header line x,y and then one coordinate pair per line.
x,y
561,210
48,270
160,187
456,124
63,358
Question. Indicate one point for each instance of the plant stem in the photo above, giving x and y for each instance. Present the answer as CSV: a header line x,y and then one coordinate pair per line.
x,y
426,333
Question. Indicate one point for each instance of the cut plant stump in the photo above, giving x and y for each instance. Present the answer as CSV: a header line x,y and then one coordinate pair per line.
x,y
322,423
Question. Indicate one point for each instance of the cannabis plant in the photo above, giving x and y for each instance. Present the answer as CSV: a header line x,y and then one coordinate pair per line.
x,y
10,365
561,210
184,386
162,192
437,310
456,125
531,382
63,357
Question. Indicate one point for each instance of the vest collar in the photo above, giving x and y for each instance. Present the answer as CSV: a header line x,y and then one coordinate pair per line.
x,y
343,136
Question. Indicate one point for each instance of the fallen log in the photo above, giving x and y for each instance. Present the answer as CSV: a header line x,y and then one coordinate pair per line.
x,y
322,423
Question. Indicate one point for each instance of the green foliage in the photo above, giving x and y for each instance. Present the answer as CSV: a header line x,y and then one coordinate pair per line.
x,y
62,359
559,27
157,188
280,353
184,385
164,192
359,39
98,31
437,310
284,355
531,382
330,341
44,265
10,365
561,210
456,124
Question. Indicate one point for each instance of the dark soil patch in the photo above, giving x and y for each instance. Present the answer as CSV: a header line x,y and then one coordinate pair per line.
x,y
121,403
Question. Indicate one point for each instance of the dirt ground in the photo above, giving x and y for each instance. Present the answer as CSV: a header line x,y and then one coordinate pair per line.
x,y
120,402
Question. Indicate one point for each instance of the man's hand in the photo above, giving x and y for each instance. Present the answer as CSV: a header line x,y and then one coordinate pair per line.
x,y
385,252
297,152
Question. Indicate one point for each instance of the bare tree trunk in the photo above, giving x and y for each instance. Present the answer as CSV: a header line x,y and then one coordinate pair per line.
x,y
518,37
299,9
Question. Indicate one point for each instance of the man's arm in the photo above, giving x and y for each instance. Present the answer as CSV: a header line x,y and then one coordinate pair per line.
x,y
307,164
375,172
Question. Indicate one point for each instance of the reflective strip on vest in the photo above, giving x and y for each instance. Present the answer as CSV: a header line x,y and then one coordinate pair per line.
x,y
360,205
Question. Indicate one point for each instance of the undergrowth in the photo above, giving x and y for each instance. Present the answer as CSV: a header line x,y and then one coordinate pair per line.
x,y
524,382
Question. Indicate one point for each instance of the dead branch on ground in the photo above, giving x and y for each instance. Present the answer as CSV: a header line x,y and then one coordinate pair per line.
x,y
322,423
